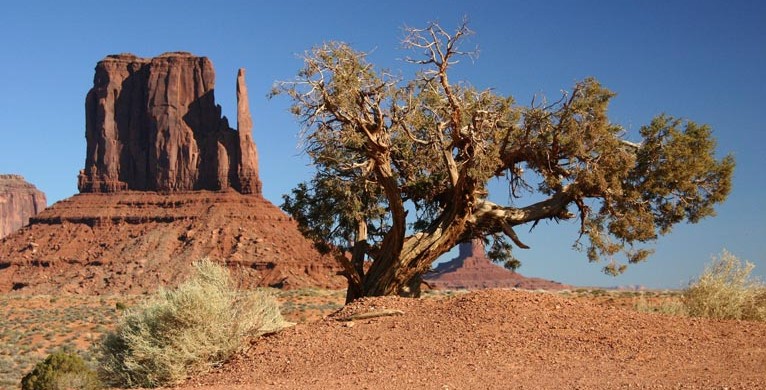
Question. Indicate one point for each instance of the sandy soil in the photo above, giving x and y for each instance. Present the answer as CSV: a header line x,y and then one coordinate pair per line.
x,y
500,339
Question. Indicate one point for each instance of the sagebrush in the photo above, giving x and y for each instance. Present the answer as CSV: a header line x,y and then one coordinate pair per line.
x,y
185,330
726,290
61,370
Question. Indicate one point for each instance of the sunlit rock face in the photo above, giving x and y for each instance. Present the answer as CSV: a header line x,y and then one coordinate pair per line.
x,y
153,125
19,201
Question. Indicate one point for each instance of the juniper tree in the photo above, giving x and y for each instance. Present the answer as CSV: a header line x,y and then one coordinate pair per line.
x,y
402,166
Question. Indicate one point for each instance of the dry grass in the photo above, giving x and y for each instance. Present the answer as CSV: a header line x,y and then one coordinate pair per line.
x,y
34,326
725,290
670,305
185,331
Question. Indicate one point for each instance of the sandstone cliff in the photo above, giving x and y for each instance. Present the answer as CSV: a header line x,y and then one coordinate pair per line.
x,y
472,269
19,201
153,125
166,182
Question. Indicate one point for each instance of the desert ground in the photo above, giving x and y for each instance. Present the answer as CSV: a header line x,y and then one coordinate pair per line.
x,y
493,339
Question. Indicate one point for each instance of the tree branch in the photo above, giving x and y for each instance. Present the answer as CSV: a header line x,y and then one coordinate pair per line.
x,y
490,218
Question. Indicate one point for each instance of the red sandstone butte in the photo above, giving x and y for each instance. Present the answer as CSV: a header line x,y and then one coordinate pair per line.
x,y
153,125
19,201
166,182
473,270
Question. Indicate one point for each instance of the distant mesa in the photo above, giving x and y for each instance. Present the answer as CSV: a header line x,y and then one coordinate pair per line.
x,y
19,201
152,124
166,182
471,269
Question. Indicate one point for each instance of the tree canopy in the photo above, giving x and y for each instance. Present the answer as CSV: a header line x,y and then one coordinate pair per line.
x,y
402,166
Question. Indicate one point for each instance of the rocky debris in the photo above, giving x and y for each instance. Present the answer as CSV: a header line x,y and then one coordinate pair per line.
x,y
472,269
153,125
134,242
19,201
500,339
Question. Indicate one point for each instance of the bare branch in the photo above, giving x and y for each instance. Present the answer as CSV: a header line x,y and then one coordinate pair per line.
x,y
508,230
632,145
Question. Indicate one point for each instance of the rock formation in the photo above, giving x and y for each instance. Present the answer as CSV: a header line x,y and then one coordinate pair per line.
x,y
471,269
166,182
153,125
136,241
19,201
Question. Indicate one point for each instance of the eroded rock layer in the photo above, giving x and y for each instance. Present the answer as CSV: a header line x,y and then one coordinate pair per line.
x,y
153,125
134,242
472,269
19,201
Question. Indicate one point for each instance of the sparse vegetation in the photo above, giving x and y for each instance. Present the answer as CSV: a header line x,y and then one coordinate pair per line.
x,y
31,327
34,326
61,370
669,305
726,290
186,330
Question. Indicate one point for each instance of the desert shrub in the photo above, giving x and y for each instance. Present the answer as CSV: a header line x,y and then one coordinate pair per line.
x,y
725,290
186,330
61,370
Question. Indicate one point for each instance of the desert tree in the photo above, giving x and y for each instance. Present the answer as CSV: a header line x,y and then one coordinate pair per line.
x,y
403,166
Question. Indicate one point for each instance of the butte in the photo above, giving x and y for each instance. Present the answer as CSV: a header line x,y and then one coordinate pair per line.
x,y
166,182
472,269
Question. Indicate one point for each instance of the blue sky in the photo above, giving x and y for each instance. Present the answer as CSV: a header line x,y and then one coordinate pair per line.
x,y
702,60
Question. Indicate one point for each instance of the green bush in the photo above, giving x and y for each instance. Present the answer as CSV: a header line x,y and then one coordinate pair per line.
x,y
185,331
61,370
725,290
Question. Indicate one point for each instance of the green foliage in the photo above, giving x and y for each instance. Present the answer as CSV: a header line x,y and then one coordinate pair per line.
x,y
675,177
185,330
725,290
382,144
61,370
500,251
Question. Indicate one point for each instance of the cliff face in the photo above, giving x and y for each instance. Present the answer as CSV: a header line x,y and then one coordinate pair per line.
x,y
153,125
19,201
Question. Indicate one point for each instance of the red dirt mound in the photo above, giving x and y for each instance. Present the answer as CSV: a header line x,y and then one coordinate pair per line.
x,y
133,242
501,339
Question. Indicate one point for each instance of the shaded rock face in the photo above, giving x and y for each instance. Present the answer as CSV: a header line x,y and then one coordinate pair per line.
x,y
19,201
472,269
153,125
